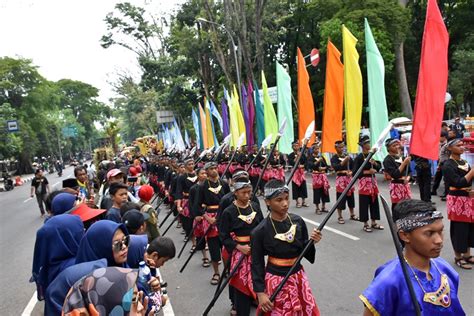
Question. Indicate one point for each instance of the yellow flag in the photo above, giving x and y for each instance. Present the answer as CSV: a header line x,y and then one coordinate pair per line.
x,y
352,90
239,117
210,135
202,117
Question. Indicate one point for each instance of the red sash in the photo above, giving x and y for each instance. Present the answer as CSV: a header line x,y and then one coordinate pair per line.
x,y
185,206
341,184
399,192
299,176
460,208
202,226
320,180
242,279
368,186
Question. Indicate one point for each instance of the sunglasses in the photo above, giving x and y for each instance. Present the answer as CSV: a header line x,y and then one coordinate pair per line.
x,y
118,245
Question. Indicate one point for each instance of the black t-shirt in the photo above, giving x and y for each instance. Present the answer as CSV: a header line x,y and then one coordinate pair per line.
x,y
40,185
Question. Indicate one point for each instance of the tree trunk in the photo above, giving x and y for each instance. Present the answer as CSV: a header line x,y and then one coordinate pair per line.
x,y
259,6
403,93
24,163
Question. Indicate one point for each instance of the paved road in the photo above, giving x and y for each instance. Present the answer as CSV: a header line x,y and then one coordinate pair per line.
x,y
19,221
345,261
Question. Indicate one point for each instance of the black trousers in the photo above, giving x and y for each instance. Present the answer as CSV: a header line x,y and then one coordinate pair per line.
x,y
365,203
214,245
437,180
423,177
242,303
299,191
41,198
462,236
187,223
349,199
319,196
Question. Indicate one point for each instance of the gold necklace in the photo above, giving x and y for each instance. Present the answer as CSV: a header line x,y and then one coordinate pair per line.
x,y
440,297
289,236
246,218
216,189
464,166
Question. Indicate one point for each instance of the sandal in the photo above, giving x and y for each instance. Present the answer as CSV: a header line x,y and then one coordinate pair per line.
x,y
354,217
192,249
324,210
377,226
318,211
367,229
298,205
206,263
469,259
340,220
463,264
215,279
305,204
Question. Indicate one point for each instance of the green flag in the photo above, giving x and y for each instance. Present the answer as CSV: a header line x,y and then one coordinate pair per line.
x,y
271,123
378,114
284,108
259,115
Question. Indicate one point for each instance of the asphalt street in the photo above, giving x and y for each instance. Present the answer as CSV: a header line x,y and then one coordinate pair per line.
x,y
345,263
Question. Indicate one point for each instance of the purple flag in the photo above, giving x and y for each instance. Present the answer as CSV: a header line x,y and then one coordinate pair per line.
x,y
251,113
225,118
248,127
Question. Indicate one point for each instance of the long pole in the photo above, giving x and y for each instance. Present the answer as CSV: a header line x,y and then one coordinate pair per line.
x,y
398,248
198,243
265,165
297,162
321,226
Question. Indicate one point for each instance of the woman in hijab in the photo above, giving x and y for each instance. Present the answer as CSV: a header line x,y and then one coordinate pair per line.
x,y
105,239
106,291
57,243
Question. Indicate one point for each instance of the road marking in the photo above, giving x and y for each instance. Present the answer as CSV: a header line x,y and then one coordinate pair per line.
x,y
56,183
336,231
27,199
31,305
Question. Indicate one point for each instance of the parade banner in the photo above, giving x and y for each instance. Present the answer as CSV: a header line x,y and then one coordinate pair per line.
x,y
245,111
251,111
216,114
202,120
240,117
305,99
271,123
378,114
197,129
333,100
284,108
432,83
260,115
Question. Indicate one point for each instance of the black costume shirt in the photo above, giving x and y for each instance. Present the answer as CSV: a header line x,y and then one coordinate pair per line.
x,y
391,165
184,184
454,176
231,223
359,160
206,197
263,243
336,163
316,163
292,159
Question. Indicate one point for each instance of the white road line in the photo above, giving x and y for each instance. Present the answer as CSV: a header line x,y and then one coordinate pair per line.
x,y
56,183
27,199
336,231
168,308
31,305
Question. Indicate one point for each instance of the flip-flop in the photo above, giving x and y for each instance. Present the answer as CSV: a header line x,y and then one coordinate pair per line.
x,y
377,226
340,220
354,217
367,229
215,278
206,263
469,259
463,264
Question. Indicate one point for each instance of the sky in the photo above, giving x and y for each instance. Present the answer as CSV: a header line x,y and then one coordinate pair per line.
x,y
62,37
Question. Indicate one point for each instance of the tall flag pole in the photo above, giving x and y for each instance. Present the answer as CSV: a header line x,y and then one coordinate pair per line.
x,y
216,114
378,113
251,111
333,100
271,123
245,110
352,90
259,115
432,83
202,117
225,118
284,108
305,100
239,116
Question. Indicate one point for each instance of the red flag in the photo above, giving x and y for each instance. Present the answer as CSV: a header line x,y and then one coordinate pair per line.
x,y
432,83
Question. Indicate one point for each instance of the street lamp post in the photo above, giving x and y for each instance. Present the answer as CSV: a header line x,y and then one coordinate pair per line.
x,y
235,54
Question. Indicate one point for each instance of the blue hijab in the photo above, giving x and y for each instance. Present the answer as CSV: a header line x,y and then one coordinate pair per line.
x,y
136,250
59,288
97,242
57,242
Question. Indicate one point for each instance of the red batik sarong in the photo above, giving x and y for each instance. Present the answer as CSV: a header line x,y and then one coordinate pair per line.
x,y
460,208
320,180
254,171
342,182
295,298
202,226
268,174
242,279
279,173
399,192
221,168
299,176
368,186
185,206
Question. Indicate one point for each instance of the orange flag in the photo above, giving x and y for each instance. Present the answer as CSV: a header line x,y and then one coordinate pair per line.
x,y
333,100
305,99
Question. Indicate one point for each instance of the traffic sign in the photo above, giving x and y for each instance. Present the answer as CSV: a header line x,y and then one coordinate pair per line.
x,y
12,126
314,57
